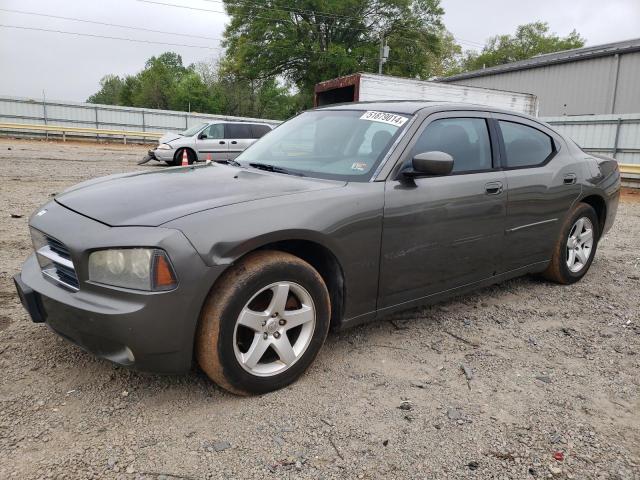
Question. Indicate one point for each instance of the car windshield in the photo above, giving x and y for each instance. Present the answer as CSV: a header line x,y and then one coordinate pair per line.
x,y
334,144
193,130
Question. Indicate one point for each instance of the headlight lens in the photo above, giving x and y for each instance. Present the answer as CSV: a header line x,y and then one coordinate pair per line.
x,y
164,146
138,268
39,240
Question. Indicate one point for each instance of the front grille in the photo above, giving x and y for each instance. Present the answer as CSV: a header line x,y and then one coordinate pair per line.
x,y
58,247
67,275
55,260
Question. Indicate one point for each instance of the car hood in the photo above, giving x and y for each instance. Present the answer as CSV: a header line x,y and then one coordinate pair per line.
x,y
169,137
154,198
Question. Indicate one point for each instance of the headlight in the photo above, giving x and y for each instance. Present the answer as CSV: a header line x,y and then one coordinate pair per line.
x,y
39,240
138,268
164,146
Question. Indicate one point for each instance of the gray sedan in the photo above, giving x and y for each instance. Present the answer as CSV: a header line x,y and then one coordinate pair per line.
x,y
338,217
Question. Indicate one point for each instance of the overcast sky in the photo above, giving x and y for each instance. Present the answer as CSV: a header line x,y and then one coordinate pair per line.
x,y
69,67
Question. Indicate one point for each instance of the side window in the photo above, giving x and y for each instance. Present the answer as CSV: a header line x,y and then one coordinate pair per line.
x,y
525,146
259,131
465,139
215,131
238,130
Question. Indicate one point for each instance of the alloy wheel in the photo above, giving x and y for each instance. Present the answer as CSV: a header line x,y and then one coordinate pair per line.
x,y
579,244
274,329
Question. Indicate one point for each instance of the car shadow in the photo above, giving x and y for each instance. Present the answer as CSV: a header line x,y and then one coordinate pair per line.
x,y
339,344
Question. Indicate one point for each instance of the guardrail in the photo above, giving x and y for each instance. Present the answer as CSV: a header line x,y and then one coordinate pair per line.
x,y
630,173
78,130
108,117
630,168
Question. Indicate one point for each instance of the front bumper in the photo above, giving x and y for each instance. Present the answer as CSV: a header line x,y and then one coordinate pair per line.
x,y
150,331
162,155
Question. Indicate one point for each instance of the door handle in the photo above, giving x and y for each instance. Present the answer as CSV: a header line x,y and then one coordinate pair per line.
x,y
493,188
222,142
570,179
234,143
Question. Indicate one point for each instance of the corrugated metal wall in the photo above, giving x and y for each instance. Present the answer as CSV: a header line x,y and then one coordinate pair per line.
x,y
617,136
576,88
25,110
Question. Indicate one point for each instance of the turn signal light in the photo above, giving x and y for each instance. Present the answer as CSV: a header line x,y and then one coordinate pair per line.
x,y
164,277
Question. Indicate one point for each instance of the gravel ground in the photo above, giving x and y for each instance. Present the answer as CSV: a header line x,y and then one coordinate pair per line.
x,y
496,384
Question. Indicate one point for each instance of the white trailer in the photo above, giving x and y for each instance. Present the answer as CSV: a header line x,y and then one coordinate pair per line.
x,y
361,87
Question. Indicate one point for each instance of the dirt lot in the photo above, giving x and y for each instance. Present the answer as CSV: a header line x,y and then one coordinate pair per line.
x,y
552,368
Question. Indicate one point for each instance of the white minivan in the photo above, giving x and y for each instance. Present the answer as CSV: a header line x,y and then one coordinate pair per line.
x,y
218,140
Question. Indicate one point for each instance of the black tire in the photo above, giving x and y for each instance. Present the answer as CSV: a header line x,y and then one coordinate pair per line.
x,y
214,343
558,270
177,158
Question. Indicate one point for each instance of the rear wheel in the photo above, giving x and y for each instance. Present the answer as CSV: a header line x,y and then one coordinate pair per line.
x,y
575,249
263,324
177,158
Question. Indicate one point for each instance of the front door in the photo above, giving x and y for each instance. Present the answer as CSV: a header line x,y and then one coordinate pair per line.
x,y
447,231
212,144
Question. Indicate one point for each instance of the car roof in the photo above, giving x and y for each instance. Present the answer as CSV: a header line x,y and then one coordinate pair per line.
x,y
412,107
243,122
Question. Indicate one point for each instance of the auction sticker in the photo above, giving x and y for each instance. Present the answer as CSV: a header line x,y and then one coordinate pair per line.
x,y
359,166
384,117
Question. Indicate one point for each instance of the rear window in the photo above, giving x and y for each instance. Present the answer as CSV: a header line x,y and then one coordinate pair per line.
x,y
525,146
238,130
259,131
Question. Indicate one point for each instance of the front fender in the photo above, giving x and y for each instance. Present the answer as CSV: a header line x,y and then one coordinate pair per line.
x,y
347,221
223,253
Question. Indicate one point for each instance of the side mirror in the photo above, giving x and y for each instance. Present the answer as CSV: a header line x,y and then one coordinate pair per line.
x,y
430,163
202,136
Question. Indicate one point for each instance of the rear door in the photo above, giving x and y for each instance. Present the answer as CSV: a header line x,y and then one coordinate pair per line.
x,y
239,137
211,143
541,176
444,232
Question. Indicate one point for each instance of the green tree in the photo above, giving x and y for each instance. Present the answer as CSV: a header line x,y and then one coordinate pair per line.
x,y
110,91
191,93
315,40
203,87
447,60
276,101
157,82
529,40
129,87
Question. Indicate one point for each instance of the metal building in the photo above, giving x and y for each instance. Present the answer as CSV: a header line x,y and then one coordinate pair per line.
x,y
603,79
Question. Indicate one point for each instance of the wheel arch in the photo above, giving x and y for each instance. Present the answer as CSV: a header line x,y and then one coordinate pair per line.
x,y
308,248
190,151
600,206
326,263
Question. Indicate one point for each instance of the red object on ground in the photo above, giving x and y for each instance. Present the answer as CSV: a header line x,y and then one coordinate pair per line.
x,y
559,456
208,157
185,159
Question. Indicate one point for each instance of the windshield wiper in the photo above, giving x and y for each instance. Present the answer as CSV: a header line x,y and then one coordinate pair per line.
x,y
274,168
229,162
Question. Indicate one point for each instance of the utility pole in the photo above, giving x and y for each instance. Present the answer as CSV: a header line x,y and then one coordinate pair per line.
x,y
384,53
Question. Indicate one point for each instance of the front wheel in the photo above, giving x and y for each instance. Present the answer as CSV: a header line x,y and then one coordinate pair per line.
x,y
177,158
575,249
263,323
